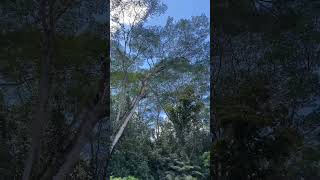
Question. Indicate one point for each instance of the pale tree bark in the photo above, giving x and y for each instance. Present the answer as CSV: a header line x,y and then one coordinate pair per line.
x,y
89,118
126,118
128,115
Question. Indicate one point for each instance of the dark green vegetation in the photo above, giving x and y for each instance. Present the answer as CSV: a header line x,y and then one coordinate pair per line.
x,y
54,94
166,69
265,90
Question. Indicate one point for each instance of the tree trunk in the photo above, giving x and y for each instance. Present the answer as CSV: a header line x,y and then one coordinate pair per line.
x,y
41,117
89,118
126,120
106,171
74,155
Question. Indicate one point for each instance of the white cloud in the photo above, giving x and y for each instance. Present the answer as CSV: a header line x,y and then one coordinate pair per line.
x,y
127,12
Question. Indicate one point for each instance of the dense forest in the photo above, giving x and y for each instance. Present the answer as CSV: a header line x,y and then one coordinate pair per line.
x,y
265,89
231,96
72,109
163,71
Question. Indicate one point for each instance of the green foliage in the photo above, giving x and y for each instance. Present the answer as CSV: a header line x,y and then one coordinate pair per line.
x,y
90,45
164,157
5,156
261,95
253,144
306,163
185,111
235,17
176,142
132,155
124,178
184,114
74,75
174,168
206,159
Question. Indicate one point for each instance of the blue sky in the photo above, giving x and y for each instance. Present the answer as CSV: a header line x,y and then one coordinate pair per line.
x,y
179,9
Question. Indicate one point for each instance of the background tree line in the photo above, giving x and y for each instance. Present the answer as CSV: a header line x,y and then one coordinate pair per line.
x,y
265,89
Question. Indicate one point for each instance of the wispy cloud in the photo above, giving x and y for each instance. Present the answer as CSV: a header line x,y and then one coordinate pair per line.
x,y
127,13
